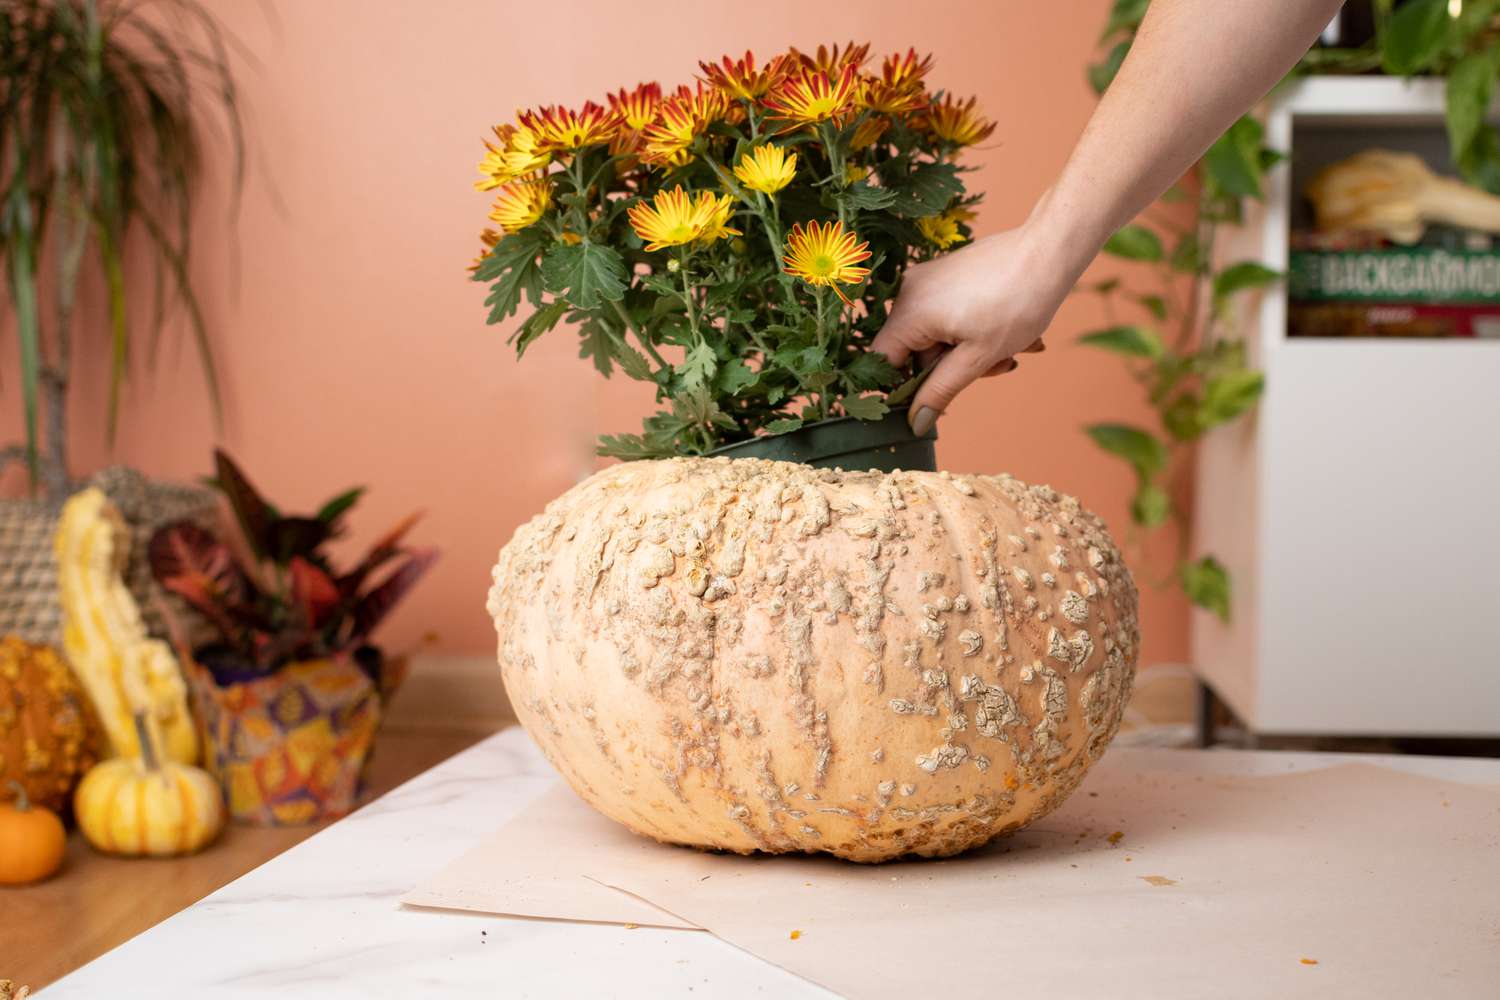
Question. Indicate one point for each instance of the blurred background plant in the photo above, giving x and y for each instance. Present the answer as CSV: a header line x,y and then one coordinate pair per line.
x,y
1172,322
102,109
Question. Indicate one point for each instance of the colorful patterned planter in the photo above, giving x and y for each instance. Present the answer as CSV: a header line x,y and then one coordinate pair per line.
x,y
293,747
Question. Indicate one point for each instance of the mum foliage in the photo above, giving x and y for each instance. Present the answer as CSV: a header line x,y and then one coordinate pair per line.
x,y
738,242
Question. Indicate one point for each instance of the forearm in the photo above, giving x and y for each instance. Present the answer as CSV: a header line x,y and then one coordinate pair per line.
x,y
1195,67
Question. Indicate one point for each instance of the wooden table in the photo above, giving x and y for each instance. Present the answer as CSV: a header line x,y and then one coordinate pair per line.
x,y
97,902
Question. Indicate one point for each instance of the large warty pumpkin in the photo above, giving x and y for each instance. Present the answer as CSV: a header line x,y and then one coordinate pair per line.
x,y
759,656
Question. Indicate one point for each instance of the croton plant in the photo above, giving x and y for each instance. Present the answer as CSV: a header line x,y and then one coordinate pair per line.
x,y
273,594
736,242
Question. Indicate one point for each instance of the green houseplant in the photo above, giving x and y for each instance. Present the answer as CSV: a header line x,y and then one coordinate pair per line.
x,y
103,106
1171,321
735,243
100,140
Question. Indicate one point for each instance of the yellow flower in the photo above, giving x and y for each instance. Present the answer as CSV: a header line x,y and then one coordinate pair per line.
x,y
824,254
637,108
682,118
941,230
739,78
521,203
515,154
813,96
854,173
830,62
958,123
670,220
713,212
562,130
767,169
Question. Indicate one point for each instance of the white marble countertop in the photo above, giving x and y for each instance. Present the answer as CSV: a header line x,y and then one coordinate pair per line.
x,y
322,919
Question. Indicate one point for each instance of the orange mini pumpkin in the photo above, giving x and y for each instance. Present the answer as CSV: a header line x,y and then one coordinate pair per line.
x,y
32,840
49,735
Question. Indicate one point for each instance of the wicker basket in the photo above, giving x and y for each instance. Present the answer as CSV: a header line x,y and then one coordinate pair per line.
x,y
28,566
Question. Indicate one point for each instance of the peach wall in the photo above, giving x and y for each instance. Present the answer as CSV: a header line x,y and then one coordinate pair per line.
x,y
353,350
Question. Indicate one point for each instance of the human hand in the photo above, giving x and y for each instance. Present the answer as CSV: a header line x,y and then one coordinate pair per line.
x,y
973,311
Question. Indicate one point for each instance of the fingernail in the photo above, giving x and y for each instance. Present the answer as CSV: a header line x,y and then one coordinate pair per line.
x,y
1009,366
922,420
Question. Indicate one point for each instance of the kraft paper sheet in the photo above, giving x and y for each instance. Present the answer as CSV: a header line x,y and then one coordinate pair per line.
x,y
1352,880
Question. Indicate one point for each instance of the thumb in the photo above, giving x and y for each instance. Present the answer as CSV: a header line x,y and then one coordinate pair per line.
x,y
954,373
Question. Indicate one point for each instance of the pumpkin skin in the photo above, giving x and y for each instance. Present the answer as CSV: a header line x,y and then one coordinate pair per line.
x,y
32,840
129,807
49,735
748,655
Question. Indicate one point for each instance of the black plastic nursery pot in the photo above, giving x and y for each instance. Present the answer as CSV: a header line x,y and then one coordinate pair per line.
x,y
882,445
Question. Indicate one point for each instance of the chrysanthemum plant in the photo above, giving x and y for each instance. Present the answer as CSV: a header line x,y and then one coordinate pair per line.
x,y
737,242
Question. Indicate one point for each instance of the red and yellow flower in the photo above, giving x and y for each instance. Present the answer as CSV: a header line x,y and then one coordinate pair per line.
x,y
824,254
521,203
767,169
830,61
513,154
739,78
813,96
563,130
682,117
868,133
713,212
637,108
958,123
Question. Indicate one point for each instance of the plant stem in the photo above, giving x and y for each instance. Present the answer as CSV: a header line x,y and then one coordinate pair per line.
x,y
687,295
645,341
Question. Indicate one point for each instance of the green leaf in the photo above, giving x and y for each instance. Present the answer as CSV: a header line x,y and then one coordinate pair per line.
x,y
865,407
863,196
698,364
1180,417
538,323
1470,84
595,342
339,505
1154,304
1413,36
734,376
869,371
1206,584
587,274
784,425
22,278
1145,453
629,447
1229,395
1135,242
512,267
1150,506
927,190
1134,341
1102,74
1233,161
1238,277
1187,255
1125,15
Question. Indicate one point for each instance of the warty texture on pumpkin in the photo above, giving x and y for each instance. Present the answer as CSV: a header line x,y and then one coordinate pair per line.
x,y
758,656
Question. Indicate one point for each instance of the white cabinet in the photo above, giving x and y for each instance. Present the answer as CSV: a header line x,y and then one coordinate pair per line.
x,y
1359,508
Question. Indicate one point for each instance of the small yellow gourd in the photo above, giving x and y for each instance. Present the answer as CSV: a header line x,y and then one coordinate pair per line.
x,y
139,806
105,639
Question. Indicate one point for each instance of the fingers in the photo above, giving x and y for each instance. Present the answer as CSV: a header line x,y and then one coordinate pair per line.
x,y
1037,346
903,334
955,371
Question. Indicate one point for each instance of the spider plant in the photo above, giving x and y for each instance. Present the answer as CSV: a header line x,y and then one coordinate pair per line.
x,y
102,110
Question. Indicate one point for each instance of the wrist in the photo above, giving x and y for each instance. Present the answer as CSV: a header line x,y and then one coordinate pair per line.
x,y
1059,240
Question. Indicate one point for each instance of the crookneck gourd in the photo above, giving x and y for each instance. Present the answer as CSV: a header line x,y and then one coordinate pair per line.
x,y
758,656
123,669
